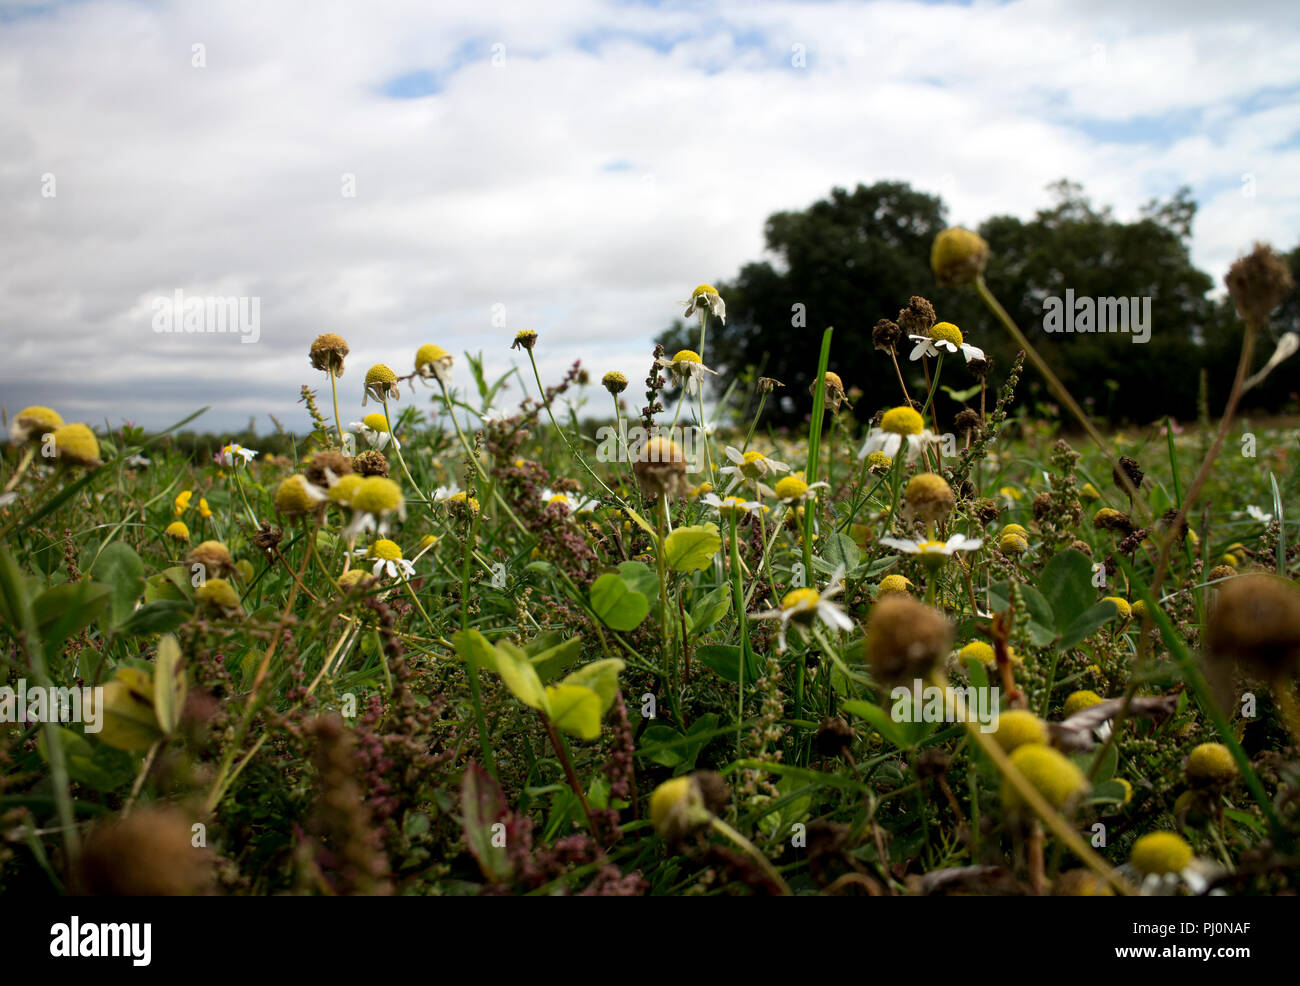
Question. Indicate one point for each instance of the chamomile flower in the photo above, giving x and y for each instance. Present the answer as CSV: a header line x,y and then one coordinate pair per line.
x,y
445,492
388,559
728,506
706,296
373,501
231,455
374,429
899,427
1258,515
944,337
753,465
381,383
688,368
794,489
433,363
33,422
934,552
177,529
803,606
573,503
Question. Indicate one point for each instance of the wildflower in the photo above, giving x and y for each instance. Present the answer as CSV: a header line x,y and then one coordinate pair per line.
x,y
219,594
879,462
958,256
1127,467
572,504
885,336
381,383
1122,607
1089,492
1011,543
794,489
1257,283
1050,772
231,454
433,362
1160,853
706,295
327,353
834,390
326,468
76,445
524,339
928,498
344,488
933,553
765,385
1080,700
371,462
918,317
460,502
689,368
176,529
1016,727
751,465
204,510
978,650
182,502
802,606
1218,573
677,807
373,502
898,426
893,583
906,639
732,505
660,468
614,382
1109,519
704,489
374,429
33,422
213,557
1258,515
295,497
1210,765
388,559
354,577
944,337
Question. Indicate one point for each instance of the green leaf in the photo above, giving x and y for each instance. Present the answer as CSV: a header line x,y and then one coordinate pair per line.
x,y
692,549
473,644
601,677
95,765
555,657
520,677
1107,793
574,709
168,684
842,550
1066,583
710,609
1042,624
1106,769
654,746
880,720
1088,622
618,607
129,721
960,396
160,616
722,658
67,609
640,577
483,805
119,566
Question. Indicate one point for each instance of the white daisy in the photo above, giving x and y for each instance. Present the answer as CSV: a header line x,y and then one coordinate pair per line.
x,y
230,453
388,560
934,550
1259,515
706,295
802,606
944,337
730,505
749,465
689,368
573,503
374,429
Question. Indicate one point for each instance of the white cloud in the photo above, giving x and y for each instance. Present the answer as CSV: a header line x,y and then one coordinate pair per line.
x,y
498,189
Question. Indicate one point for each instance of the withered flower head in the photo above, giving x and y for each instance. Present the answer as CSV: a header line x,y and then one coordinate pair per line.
x,y
1128,466
906,639
1257,283
885,336
835,396
371,463
1256,623
767,384
323,463
918,318
328,352
149,853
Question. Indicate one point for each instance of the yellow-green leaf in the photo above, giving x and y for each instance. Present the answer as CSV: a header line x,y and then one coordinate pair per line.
x,y
168,684
690,549
574,709
127,718
601,677
472,643
520,676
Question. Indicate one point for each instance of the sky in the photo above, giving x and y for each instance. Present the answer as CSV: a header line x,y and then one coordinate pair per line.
x,y
456,171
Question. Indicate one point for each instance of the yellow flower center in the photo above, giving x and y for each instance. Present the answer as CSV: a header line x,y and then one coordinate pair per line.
x,y
375,422
687,356
379,373
343,490
429,353
753,457
947,332
902,421
385,549
703,289
791,487
800,599
879,460
559,498
377,495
